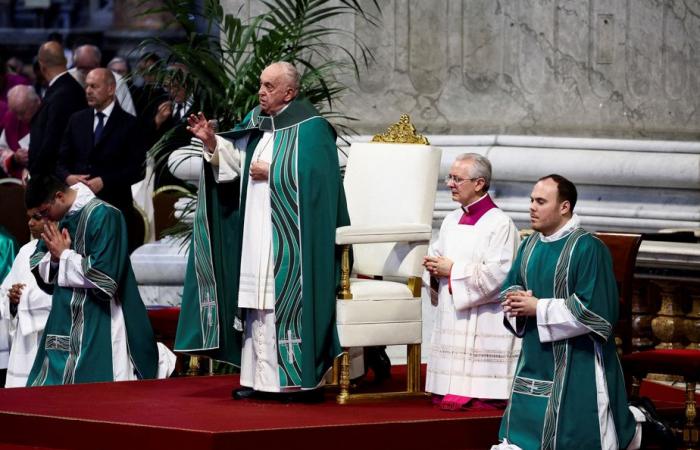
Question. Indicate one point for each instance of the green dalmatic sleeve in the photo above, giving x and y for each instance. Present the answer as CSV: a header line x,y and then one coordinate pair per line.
x,y
105,256
594,299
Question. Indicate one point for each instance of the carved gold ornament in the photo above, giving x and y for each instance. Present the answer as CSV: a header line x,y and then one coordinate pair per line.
x,y
402,132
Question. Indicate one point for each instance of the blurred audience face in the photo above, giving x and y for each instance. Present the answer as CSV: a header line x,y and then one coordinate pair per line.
x,y
118,65
144,75
99,88
36,224
24,102
176,83
85,59
15,65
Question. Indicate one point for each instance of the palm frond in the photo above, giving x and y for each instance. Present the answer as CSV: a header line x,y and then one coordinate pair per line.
x,y
225,54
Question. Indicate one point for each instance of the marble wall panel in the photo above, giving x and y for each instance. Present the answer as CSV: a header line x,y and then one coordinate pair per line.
x,y
601,68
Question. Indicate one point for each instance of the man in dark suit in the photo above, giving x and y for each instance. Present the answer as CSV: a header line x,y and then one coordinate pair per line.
x,y
63,97
103,148
171,118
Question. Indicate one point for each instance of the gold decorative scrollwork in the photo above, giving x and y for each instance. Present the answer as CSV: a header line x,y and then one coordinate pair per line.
x,y
402,132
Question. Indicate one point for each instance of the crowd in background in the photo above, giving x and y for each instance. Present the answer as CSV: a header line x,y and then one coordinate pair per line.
x,y
39,135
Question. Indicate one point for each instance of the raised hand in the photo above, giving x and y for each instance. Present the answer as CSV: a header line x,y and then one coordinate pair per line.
x,y
202,129
56,241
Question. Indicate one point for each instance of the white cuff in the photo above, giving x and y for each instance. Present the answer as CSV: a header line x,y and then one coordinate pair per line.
x,y
70,271
45,266
555,322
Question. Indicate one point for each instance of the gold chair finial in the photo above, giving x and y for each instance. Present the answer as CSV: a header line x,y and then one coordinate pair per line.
x,y
402,132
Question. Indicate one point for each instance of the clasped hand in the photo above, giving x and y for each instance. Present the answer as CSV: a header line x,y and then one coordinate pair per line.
x,y
438,266
56,240
520,304
15,293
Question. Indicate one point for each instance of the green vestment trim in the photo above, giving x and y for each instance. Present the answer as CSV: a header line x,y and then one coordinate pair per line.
x,y
76,346
553,403
307,205
8,251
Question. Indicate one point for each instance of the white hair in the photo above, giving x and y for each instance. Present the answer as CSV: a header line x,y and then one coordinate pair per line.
x,y
290,73
22,95
481,167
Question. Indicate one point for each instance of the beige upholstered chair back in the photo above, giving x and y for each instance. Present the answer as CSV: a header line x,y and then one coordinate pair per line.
x,y
391,184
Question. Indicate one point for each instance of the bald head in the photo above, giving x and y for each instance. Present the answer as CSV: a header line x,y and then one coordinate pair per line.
x,y
86,58
23,101
100,86
51,55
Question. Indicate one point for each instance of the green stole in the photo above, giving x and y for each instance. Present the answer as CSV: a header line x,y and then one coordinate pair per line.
x,y
76,346
307,205
553,401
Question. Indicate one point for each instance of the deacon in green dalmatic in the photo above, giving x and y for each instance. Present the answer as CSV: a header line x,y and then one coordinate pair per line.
x,y
263,269
560,296
98,329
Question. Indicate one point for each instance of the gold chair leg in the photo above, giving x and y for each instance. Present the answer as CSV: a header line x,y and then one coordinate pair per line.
x,y
413,368
344,394
193,369
690,431
335,372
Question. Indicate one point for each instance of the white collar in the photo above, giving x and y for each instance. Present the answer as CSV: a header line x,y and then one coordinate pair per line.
x,y
107,111
53,80
83,197
571,225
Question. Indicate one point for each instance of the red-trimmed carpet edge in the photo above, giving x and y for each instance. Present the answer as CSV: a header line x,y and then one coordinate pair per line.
x,y
456,433
197,413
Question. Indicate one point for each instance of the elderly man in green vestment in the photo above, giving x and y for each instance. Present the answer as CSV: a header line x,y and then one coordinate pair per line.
x,y
98,329
263,268
560,296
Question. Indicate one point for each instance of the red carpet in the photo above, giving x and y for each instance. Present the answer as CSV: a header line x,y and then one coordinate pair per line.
x,y
197,414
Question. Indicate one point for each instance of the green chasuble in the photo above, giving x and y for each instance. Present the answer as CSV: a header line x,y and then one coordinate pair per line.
x,y
307,205
76,346
8,251
553,402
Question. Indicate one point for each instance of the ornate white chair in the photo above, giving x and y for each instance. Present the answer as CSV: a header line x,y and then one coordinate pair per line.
x,y
390,189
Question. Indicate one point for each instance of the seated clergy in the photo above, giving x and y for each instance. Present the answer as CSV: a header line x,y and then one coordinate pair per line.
x,y
472,357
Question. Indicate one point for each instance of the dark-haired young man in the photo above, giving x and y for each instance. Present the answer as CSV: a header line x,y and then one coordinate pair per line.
x,y
98,329
560,297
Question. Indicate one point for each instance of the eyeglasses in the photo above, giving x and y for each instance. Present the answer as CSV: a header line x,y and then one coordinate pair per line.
x,y
458,181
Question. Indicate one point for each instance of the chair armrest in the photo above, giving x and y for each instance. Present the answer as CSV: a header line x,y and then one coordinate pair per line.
x,y
372,234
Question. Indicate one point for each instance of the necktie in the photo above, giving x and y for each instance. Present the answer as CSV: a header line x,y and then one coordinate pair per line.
x,y
178,111
100,126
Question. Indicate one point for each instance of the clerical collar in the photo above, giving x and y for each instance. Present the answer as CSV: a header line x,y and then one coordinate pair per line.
x,y
567,229
475,210
267,123
83,197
